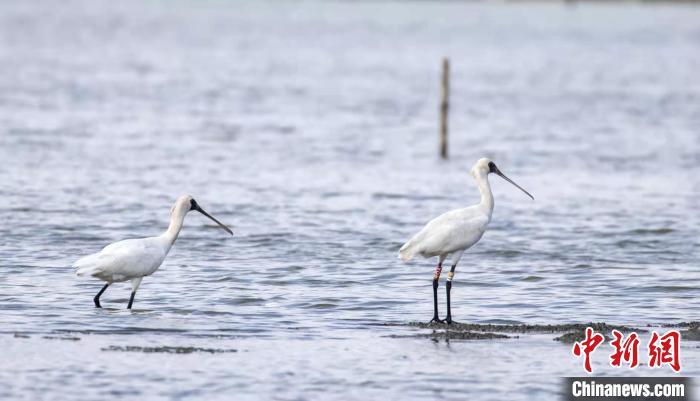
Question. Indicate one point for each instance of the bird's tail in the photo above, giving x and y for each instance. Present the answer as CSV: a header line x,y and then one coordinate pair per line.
x,y
83,271
86,266
407,251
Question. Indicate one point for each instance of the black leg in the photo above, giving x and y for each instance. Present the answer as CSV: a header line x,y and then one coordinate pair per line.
x,y
436,283
131,300
450,275
97,297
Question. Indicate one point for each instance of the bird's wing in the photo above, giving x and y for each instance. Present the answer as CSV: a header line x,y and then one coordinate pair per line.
x,y
122,260
449,232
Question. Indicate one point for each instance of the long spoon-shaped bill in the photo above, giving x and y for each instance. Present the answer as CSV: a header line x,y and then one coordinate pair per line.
x,y
222,225
511,181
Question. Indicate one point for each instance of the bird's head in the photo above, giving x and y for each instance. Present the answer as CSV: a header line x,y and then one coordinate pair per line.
x,y
182,205
186,203
484,167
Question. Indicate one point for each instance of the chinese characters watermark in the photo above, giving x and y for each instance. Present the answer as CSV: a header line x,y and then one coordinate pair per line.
x,y
662,349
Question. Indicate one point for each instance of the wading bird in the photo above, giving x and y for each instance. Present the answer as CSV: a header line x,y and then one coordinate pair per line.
x,y
455,231
133,259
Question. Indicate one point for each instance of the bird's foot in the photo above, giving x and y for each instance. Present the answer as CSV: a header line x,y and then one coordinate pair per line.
x,y
436,320
97,304
449,320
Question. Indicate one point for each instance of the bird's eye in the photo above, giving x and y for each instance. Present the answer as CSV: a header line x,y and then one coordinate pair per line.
x,y
193,204
492,167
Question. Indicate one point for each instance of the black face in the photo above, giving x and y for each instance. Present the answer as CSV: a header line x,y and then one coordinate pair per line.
x,y
193,204
492,167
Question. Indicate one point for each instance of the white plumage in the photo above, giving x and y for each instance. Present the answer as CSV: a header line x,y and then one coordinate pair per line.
x,y
133,259
124,260
454,232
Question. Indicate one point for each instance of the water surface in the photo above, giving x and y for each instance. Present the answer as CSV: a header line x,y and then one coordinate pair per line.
x,y
311,129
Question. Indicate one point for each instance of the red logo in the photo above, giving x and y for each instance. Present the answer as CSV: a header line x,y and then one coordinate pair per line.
x,y
627,351
586,347
663,350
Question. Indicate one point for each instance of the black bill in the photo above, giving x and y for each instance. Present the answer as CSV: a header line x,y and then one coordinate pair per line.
x,y
497,171
222,225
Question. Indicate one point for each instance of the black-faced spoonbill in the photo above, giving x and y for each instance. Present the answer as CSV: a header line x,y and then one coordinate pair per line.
x,y
133,259
455,231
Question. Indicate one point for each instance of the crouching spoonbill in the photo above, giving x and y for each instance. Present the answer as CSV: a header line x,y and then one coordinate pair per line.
x,y
455,231
133,259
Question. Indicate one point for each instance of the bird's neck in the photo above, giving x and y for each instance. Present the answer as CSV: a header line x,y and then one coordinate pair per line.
x,y
486,196
176,220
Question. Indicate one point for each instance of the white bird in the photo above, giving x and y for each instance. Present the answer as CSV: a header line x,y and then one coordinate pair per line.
x,y
133,259
455,231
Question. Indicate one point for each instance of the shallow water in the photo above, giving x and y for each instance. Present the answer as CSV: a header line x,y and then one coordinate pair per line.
x,y
310,128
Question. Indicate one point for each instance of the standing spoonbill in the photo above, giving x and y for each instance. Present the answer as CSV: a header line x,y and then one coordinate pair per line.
x,y
133,259
455,231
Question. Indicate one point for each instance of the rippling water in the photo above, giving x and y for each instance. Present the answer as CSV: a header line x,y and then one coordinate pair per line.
x,y
310,128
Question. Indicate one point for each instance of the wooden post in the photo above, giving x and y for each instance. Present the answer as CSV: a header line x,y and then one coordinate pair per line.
x,y
444,106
